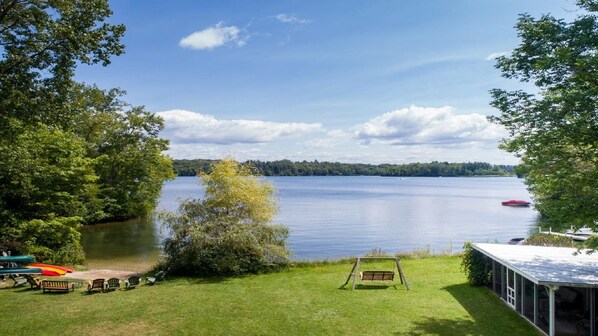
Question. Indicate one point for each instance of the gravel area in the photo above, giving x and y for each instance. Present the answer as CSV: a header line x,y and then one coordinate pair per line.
x,y
100,273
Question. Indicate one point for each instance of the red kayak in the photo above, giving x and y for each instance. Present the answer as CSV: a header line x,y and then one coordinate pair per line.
x,y
50,273
63,268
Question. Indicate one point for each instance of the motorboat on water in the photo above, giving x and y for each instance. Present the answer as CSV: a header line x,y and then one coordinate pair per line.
x,y
516,203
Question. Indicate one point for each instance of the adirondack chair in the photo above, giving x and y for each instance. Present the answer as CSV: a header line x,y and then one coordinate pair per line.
x,y
160,276
112,284
132,281
97,284
18,281
33,282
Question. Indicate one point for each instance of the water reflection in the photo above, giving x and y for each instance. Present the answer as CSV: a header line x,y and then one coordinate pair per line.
x,y
132,245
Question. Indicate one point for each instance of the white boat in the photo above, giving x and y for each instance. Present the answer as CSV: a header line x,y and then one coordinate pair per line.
x,y
584,231
582,234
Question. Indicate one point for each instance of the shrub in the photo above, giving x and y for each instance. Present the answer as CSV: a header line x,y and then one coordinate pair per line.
x,y
229,231
541,239
474,265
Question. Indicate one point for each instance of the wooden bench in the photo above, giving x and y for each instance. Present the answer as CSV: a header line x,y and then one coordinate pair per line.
x,y
56,285
377,275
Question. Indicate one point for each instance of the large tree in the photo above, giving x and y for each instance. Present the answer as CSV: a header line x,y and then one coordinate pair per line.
x,y
42,42
554,129
230,230
71,153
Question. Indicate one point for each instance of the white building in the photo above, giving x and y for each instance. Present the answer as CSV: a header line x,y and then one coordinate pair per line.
x,y
554,288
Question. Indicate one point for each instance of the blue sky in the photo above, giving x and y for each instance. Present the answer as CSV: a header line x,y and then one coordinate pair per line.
x,y
350,81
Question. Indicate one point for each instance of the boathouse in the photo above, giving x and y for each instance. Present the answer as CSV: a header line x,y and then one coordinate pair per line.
x,y
554,288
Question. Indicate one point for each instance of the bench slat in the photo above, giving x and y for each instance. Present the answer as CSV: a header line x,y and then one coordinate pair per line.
x,y
377,275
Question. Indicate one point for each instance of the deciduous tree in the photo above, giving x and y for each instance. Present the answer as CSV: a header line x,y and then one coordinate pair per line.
x,y
42,42
229,230
69,153
554,130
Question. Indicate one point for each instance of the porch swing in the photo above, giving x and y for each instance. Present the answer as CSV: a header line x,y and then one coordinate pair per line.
x,y
376,275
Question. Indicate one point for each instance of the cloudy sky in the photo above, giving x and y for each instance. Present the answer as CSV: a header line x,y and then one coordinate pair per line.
x,y
389,81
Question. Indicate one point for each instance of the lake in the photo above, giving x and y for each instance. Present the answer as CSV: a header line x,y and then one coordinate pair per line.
x,y
332,217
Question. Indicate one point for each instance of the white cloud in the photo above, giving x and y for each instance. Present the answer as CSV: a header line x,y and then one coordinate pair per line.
x,y
428,126
214,37
186,127
290,18
494,55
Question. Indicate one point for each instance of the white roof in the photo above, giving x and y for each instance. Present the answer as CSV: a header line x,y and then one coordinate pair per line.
x,y
546,265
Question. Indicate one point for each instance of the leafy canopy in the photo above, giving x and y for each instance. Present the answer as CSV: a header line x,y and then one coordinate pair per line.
x,y
70,153
555,129
230,230
42,42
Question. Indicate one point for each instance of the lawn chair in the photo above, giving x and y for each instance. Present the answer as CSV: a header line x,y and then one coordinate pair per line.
x,y
18,281
132,281
97,284
34,282
112,284
160,276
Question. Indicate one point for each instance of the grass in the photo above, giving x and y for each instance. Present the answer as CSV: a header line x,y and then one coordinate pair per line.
x,y
305,300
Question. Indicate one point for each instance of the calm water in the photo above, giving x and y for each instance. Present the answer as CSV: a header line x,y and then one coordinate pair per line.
x,y
333,217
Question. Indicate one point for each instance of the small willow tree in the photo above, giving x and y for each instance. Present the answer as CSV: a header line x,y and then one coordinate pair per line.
x,y
230,230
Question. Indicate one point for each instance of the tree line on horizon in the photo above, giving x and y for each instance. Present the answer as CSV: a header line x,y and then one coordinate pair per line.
x,y
316,168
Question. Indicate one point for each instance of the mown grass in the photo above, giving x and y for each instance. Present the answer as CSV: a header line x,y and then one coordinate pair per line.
x,y
305,300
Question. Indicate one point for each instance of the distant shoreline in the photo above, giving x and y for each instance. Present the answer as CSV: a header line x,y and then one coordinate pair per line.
x,y
316,168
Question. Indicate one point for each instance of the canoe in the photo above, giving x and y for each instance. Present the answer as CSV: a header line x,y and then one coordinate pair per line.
x,y
19,270
51,271
64,268
17,259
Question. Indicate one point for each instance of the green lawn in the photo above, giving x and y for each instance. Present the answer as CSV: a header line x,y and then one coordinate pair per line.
x,y
301,301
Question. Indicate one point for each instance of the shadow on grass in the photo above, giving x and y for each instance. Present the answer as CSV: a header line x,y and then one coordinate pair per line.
x,y
435,326
214,279
369,287
210,280
487,316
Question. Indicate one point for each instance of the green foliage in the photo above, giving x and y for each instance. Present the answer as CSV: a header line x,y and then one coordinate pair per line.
x,y
474,266
42,43
129,163
541,239
555,131
315,168
44,173
592,244
53,241
69,153
229,231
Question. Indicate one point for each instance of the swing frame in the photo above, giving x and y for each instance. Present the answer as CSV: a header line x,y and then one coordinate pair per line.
x,y
355,270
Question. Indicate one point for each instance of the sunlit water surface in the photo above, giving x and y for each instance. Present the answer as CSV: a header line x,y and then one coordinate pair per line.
x,y
331,217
